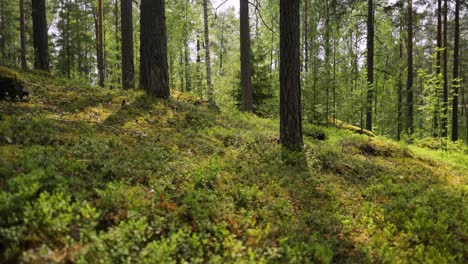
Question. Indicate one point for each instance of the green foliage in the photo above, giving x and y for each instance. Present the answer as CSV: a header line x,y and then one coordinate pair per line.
x,y
173,181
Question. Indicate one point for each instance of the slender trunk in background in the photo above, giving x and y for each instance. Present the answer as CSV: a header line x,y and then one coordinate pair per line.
x,y
24,64
438,65
306,36
409,81
370,63
100,44
2,27
197,66
400,90
290,75
128,68
117,41
188,81
445,73
68,40
154,75
41,43
207,54
456,81
246,69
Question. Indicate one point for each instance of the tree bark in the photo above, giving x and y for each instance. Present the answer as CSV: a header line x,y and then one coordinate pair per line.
x,y
246,69
445,73
456,80
208,55
24,64
290,86
128,68
438,65
154,76
370,63
40,37
409,81
100,44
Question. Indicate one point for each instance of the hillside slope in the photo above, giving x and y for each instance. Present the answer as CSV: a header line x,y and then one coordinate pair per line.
x,y
98,175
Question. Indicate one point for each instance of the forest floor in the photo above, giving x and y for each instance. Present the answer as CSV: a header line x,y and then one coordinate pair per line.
x,y
111,176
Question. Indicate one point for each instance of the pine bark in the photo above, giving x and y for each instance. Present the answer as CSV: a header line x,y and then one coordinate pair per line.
x,y
456,76
370,63
246,69
40,37
154,75
290,86
128,68
24,64
409,81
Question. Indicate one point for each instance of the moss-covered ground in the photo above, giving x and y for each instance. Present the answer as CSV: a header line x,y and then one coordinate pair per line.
x,y
93,175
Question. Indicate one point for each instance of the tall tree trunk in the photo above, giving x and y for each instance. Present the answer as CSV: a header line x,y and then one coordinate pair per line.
x,y
438,65
409,81
41,44
207,54
118,50
306,36
445,73
100,44
198,62
456,81
188,81
128,68
400,90
370,63
290,83
2,27
246,69
24,64
154,76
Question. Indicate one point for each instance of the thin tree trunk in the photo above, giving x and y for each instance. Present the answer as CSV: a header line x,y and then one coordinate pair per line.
x,y
41,44
409,81
154,76
128,68
2,27
207,54
456,81
400,90
306,36
246,69
370,63
24,64
188,81
100,44
290,83
438,66
445,73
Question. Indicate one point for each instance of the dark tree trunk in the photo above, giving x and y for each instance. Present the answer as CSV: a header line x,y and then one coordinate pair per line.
x,y
207,54
306,36
400,89
154,76
128,70
370,63
100,44
409,81
290,86
2,27
41,45
456,81
438,64
445,73
246,74
24,64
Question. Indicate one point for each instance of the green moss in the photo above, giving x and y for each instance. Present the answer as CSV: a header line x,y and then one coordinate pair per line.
x,y
88,173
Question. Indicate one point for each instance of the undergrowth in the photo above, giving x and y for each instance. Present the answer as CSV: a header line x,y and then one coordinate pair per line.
x,y
96,175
